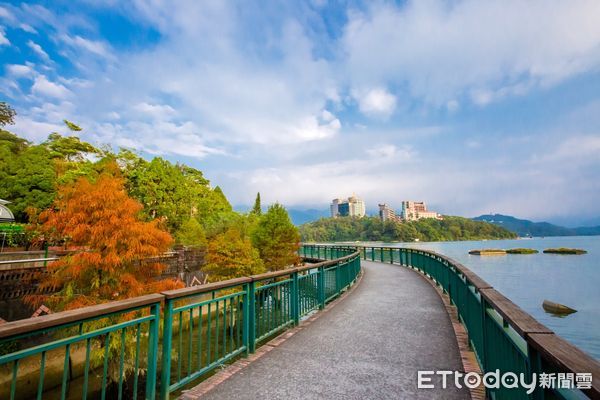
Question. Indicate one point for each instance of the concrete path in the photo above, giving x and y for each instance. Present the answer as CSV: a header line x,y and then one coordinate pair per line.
x,y
369,346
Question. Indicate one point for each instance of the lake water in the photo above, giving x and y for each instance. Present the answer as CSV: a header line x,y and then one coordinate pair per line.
x,y
573,280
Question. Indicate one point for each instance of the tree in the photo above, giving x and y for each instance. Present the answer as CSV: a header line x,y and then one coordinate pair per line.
x,y
69,148
27,179
7,114
230,256
276,239
191,233
257,208
103,221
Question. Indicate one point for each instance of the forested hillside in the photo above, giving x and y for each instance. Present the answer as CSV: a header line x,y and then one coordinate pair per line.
x,y
373,229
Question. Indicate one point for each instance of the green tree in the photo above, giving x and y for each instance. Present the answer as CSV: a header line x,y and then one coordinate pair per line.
x,y
191,233
230,256
27,179
257,210
276,239
7,114
69,148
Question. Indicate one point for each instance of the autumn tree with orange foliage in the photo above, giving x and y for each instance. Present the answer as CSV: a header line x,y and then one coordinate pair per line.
x,y
102,221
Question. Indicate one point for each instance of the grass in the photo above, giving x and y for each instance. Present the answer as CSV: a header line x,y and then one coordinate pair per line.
x,y
564,250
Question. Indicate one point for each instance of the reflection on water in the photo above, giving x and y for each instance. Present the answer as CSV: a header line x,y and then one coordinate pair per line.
x,y
529,279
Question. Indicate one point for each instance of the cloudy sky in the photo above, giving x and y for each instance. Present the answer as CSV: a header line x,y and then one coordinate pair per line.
x,y
472,106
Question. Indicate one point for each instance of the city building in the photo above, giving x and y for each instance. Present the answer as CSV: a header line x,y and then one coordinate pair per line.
x,y
387,214
353,207
415,210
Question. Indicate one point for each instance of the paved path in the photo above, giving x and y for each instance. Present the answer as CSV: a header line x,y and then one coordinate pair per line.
x,y
369,346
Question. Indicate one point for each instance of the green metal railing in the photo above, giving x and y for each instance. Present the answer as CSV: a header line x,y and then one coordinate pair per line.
x,y
227,319
109,339
502,336
114,350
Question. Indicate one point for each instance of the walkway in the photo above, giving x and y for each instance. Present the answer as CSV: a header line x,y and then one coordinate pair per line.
x,y
370,346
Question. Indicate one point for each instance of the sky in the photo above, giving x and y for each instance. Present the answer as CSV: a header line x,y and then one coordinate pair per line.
x,y
471,106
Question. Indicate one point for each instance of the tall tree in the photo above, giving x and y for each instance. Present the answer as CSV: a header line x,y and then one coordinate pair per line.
x,y
102,220
276,239
230,256
257,207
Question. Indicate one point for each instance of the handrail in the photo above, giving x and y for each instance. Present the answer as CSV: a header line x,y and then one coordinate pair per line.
x,y
33,325
219,320
490,320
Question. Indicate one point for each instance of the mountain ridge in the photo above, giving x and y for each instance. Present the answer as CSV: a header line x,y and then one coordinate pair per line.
x,y
524,227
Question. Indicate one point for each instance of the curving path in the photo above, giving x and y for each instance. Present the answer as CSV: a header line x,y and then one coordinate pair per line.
x,y
369,346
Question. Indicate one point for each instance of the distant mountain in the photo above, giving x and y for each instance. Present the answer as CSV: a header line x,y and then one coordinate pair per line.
x,y
523,227
300,217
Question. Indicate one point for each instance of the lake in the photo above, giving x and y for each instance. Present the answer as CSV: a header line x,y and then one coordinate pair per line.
x,y
573,280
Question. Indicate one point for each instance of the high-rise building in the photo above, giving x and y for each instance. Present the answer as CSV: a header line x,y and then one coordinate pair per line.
x,y
353,207
415,210
387,214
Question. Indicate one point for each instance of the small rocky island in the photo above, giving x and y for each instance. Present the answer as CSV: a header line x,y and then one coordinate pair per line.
x,y
565,250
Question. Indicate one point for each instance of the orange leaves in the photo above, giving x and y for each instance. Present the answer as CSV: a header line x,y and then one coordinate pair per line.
x,y
102,219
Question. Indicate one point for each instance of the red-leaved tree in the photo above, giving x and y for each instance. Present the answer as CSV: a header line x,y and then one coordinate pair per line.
x,y
104,223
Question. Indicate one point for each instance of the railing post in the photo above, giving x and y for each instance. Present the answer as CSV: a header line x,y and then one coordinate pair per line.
x,y
295,298
165,380
251,317
246,319
321,287
535,367
364,252
152,352
391,256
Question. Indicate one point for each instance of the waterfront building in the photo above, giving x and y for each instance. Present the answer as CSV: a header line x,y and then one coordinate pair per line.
x,y
387,214
415,210
352,207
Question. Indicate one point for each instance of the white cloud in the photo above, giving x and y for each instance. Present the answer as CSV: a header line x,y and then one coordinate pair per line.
x,y
442,50
28,28
6,14
376,102
20,70
404,153
155,110
3,39
37,49
42,86
96,47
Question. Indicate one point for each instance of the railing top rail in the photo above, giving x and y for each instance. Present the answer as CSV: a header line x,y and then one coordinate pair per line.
x,y
208,287
566,357
200,289
32,325
521,321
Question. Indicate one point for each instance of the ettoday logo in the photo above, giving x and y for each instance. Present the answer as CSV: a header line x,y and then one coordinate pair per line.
x,y
508,380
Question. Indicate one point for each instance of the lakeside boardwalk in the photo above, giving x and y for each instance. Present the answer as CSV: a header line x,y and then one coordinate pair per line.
x,y
369,347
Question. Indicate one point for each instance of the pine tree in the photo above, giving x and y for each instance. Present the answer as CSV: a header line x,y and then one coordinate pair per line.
x,y
276,239
257,207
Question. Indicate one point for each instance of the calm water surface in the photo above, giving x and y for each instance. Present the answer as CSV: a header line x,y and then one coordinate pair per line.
x,y
573,280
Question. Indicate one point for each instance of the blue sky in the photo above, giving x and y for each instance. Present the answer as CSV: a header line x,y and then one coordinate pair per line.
x,y
471,106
